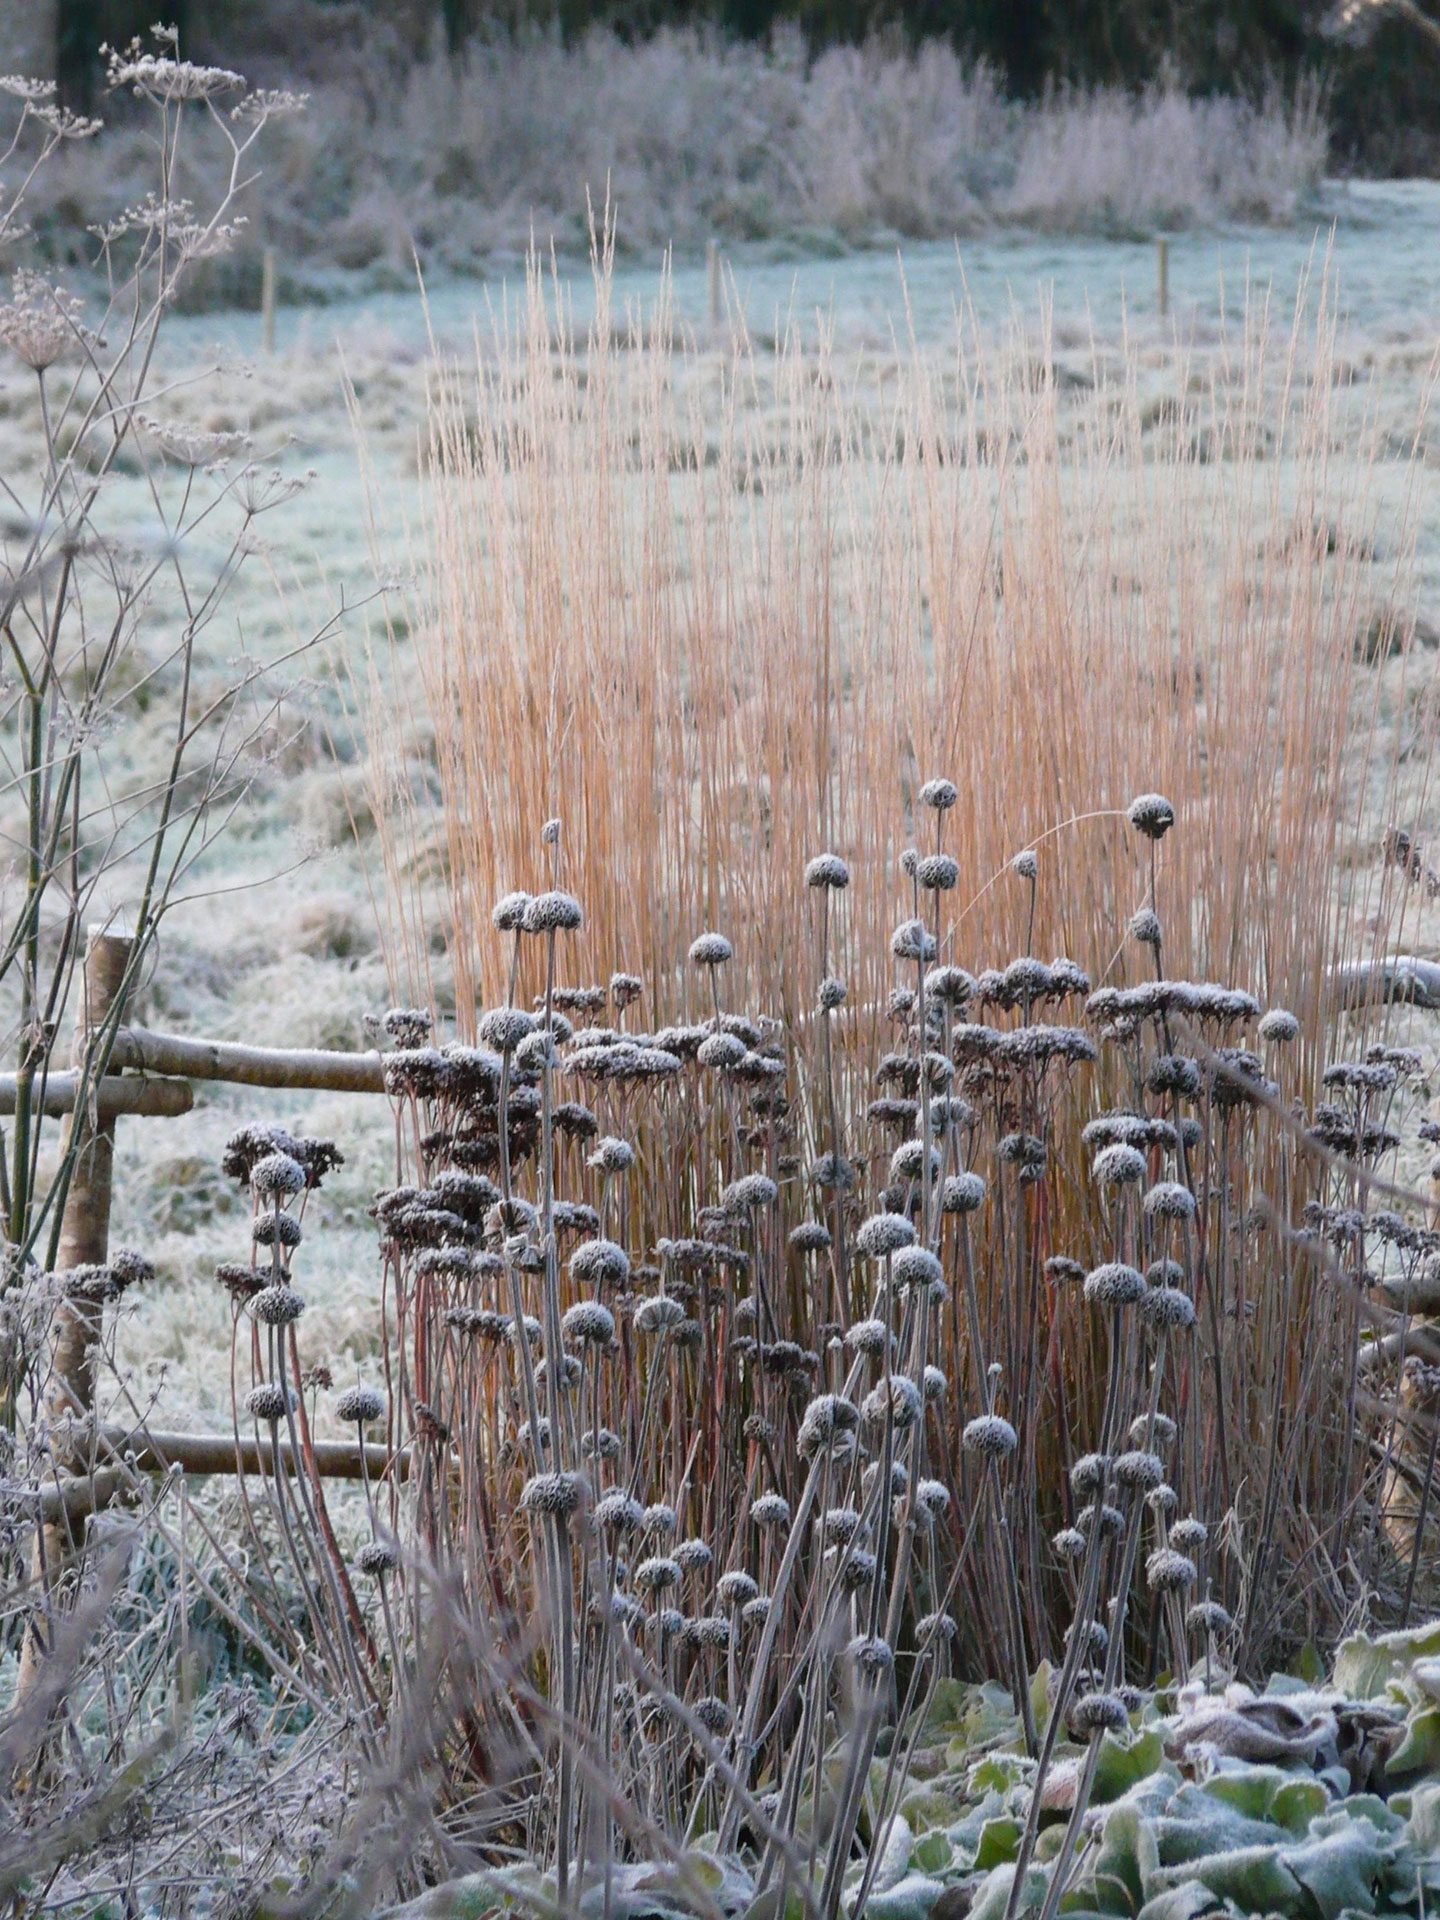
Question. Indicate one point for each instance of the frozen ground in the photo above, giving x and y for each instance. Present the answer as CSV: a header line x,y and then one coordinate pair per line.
x,y
297,962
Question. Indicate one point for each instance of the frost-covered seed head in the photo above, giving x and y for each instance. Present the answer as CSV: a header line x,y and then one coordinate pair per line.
x,y
657,1575
1152,1430
1189,1535
939,794
1024,865
933,1384
612,1155
1145,927
1096,1713
711,950
936,1627
937,872
870,1337
1069,1543
269,1402
1279,1027
1208,1616
733,1589
989,1436
1118,1166
1167,1571
1164,1500
1088,1475
277,1306
1168,1200
553,912
872,1656
660,1519
503,1028
721,1050
600,1263
692,1556
750,1191
1114,1285
962,1193
713,1715
884,1233
810,1237
1168,1310
558,1494
587,1323
918,1267
377,1558
1151,814
508,913
932,1497
832,994
827,870
277,1177
771,1510
658,1313
359,1406
913,940
1138,1471
900,1397
618,1513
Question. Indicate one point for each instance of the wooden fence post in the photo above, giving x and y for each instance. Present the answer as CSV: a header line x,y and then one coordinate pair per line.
x,y
84,1241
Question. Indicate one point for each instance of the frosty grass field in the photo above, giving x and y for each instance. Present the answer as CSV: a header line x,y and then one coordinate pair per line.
x,y
298,964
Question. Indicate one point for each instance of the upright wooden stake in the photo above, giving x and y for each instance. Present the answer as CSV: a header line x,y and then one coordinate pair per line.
x,y
84,1241
1162,276
267,299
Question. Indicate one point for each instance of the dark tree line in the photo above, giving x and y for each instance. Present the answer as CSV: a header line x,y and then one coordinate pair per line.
x,y
1384,91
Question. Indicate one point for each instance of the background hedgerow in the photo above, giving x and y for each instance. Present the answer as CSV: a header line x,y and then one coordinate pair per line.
x,y
694,137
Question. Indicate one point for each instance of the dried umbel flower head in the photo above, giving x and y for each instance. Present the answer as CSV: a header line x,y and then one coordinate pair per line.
x,y
932,1498
359,1405
406,1026
871,1656
751,1190
1094,1714
657,1575
1088,1475
735,1588
1151,814
898,1398
618,1513
241,1282
377,1558
810,1237
939,794
949,986
873,1338
711,950
1145,927
1024,865
1188,1536
1279,1027
830,1419
277,1306
129,1268
1069,1543
827,870
832,994
934,1384
625,989
990,1436
552,912
1093,1638
277,1230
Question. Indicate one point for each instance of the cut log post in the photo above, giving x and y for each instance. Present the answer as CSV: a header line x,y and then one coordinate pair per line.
x,y
174,1054
1399,979
84,1241
140,1094
124,1456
